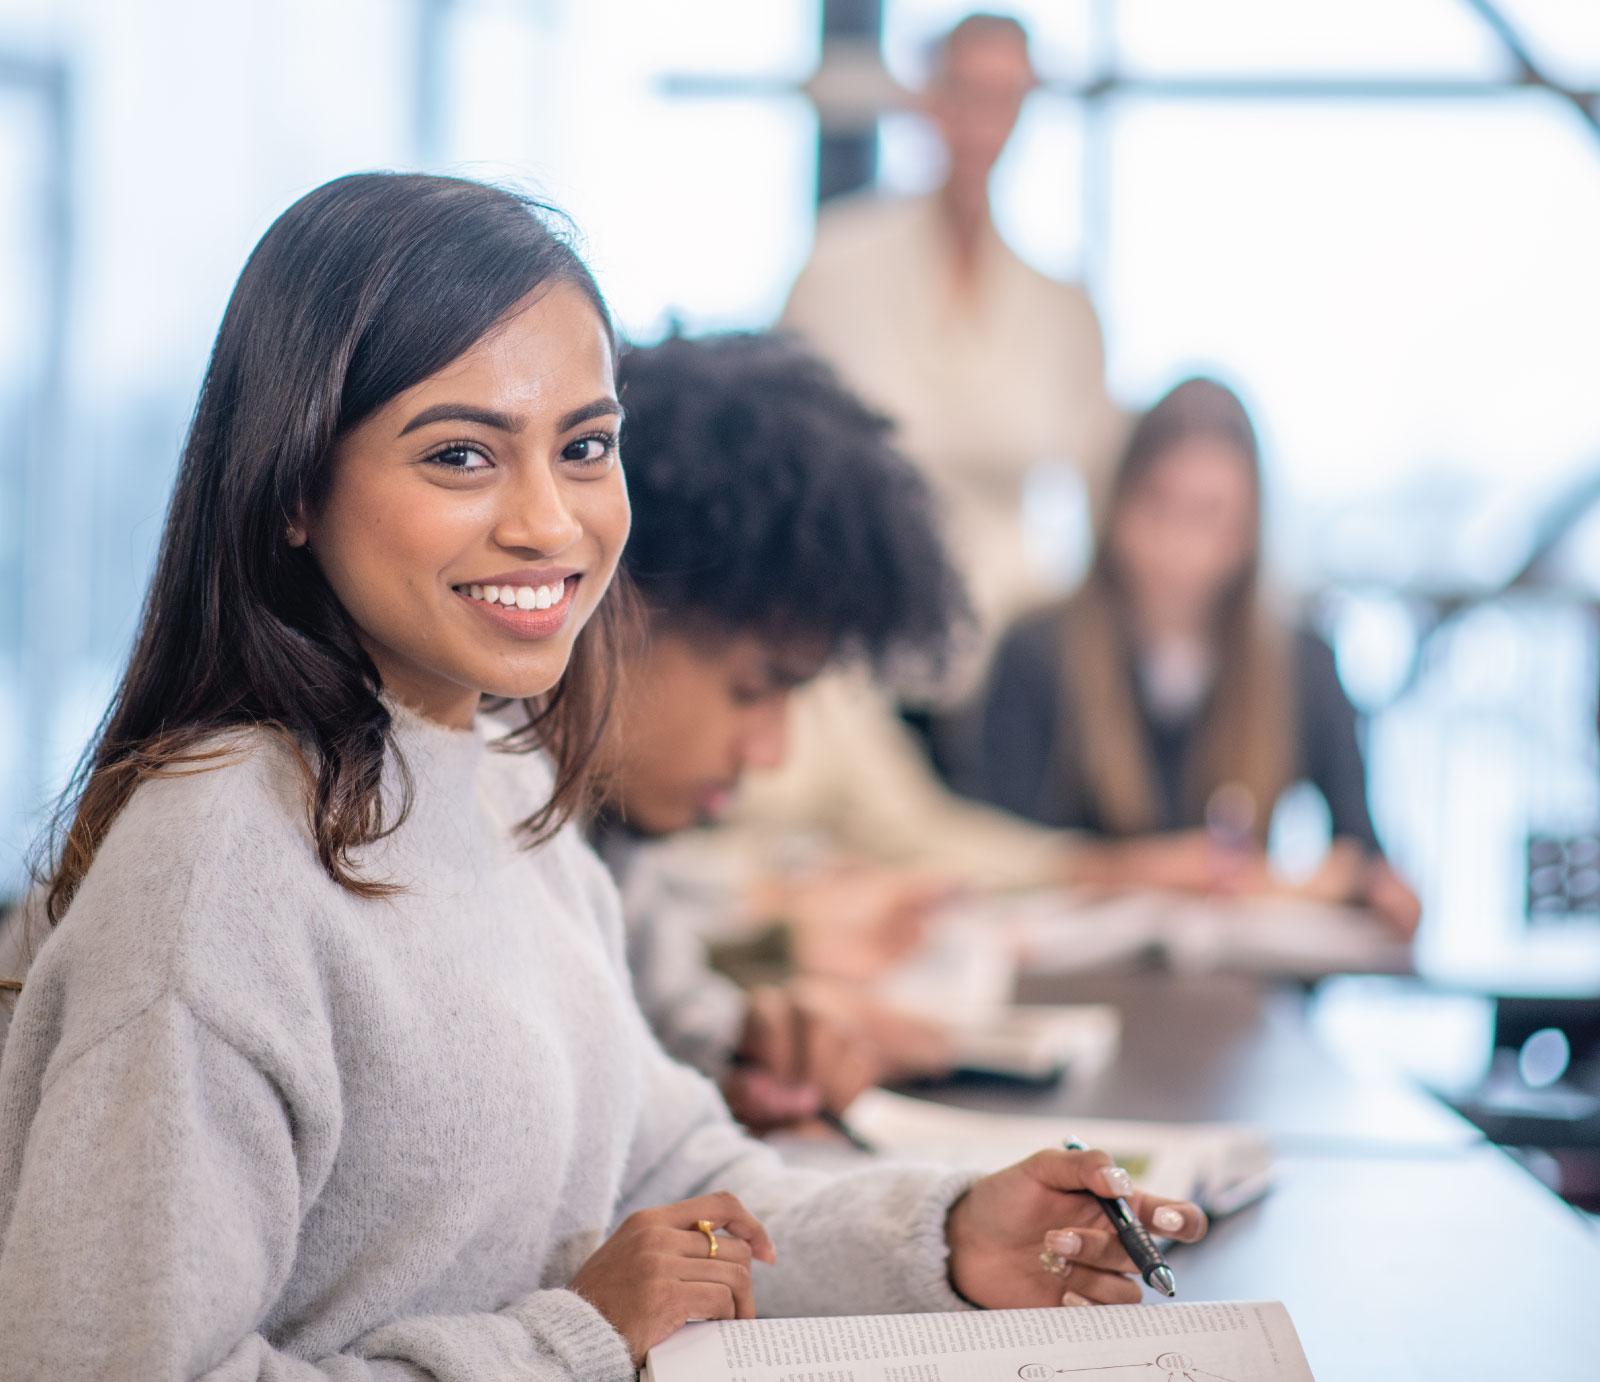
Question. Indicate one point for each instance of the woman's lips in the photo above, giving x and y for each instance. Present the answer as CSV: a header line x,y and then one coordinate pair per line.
x,y
525,623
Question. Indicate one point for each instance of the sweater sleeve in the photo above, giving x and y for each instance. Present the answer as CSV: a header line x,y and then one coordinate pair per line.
x,y
868,1242
179,1152
697,1014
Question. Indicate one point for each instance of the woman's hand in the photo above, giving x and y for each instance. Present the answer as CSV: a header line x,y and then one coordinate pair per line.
x,y
796,1058
907,1045
1004,1226
656,1272
1185,861
1349,876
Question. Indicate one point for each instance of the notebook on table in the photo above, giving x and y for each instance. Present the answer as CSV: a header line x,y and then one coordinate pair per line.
x,y
1202,1341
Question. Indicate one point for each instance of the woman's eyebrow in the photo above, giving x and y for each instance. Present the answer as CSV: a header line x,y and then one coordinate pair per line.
x,y
601,407
464,412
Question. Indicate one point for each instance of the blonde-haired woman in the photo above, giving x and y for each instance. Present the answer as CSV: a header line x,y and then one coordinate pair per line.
x,y
1164,696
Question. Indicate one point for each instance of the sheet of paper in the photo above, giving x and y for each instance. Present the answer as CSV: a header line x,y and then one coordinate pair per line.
x,y
1193,1342
1179,1160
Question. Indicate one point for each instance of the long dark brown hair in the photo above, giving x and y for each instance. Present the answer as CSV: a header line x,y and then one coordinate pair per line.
x,y
1247,729
360,290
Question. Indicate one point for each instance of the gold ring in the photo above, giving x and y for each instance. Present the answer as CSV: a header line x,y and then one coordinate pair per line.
x,y
704,1225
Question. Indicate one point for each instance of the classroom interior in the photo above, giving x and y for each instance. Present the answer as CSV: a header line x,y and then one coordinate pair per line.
x,y
1374,221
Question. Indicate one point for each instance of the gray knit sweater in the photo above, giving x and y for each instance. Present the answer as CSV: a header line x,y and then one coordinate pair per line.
x,y
254,1126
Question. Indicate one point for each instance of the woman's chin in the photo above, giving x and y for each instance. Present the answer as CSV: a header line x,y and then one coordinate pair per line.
x,y
528,688
518,678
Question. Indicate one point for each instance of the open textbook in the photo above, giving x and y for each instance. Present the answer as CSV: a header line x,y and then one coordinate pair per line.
x,y
1220,1166
1207,1341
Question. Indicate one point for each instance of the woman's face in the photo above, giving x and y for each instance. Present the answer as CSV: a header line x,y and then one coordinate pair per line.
x,y
1184,532
475,520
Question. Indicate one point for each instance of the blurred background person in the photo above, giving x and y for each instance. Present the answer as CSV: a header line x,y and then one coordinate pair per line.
x,y
1166,706
989,366
776,532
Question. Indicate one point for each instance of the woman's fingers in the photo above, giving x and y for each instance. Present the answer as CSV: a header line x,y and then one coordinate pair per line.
x,y
1093,1247
770,1037
1096,1173
733,1275
1102,1288
853,1067
1170,1218
723,1210
707,1300
1076,1171
692,1243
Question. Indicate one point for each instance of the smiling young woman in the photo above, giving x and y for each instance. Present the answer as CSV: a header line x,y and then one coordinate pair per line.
x,y
330,1067
412,389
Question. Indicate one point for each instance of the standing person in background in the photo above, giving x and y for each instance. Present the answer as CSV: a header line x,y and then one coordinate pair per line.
x,y
987,366
1163,706
989,369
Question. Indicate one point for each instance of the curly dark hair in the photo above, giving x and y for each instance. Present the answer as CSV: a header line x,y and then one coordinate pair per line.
x,y
768,498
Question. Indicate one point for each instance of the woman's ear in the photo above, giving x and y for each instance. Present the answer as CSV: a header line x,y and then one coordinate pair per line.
x,y
295,532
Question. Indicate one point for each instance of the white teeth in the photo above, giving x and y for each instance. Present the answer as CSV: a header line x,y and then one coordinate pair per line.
x,y
518,596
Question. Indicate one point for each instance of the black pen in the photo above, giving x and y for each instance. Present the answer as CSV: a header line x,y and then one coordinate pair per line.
x,y
828,1118
1134,1236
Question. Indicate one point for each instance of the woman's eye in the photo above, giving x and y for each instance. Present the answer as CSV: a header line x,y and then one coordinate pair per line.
x,y
460,457
589,450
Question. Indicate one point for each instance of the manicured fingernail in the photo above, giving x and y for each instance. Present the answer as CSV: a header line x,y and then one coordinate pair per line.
x,y
1073,1298
1118,1181
1064,1241
1167,1219
1054,1263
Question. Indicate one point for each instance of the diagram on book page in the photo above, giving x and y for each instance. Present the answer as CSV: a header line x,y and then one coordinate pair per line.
x,y
1169,1367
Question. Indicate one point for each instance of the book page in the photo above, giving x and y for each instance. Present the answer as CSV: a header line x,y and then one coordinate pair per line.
x,y
1220,1341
